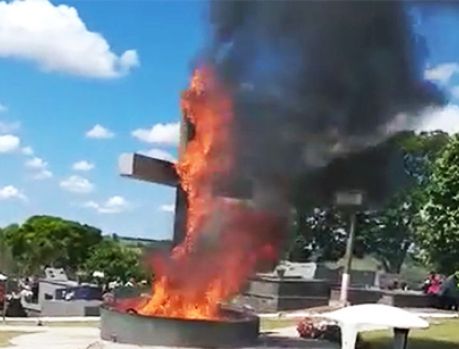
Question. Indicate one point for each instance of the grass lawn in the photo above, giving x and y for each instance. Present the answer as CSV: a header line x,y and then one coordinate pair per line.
x,y
440,335
444,335
5,337
72,324
274,323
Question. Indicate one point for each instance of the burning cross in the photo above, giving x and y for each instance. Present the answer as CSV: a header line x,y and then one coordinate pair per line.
x,y
152,170
163,172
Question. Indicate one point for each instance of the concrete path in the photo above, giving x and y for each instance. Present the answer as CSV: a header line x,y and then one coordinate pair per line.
x,y
88,338
45,319
53,337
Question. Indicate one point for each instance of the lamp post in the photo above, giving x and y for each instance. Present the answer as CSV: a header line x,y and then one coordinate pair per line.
x,y
3,294
350,201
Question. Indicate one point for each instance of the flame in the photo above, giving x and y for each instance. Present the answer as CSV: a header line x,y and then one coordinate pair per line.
x,y
225,240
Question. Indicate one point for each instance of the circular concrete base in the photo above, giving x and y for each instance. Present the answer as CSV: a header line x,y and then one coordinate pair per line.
x,y
236,330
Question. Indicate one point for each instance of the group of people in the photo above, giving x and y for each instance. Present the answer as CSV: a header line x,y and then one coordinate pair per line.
x,y
112,285
444,291
109,289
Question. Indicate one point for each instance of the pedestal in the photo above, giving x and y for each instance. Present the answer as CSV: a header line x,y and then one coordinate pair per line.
x,y
400,338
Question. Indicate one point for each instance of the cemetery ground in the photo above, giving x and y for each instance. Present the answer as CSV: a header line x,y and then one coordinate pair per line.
x,y
442,334
6,336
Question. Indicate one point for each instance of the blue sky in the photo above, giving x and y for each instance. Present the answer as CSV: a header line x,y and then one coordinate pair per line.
x,y
83,81
51,110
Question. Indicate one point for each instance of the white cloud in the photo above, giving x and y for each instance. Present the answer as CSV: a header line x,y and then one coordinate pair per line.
x,y
83,166
3,108
167,208
115,204
27,151
8,127
56,38
36,163
128,60
167,134
9,143
77,184
10,192
99,132
159,154
445,119
442,72
43,174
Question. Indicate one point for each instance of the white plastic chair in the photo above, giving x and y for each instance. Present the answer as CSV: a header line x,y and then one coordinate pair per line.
x,y
370,317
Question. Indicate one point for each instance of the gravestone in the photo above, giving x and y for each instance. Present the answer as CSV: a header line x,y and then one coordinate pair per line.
x,y
271,293
292,286
305,270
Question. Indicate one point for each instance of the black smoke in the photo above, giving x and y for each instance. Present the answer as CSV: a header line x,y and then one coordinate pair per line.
x,y
315,81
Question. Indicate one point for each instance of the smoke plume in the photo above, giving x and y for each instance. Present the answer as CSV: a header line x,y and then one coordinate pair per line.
x,y
314,81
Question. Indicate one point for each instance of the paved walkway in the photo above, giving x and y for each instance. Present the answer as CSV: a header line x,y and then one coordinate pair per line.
x,y
45,319
53,337
88,338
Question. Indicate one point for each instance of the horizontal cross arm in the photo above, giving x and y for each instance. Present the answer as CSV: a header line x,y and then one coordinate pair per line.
x,y
148,169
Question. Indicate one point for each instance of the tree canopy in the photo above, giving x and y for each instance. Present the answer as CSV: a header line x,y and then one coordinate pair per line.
x,y
6,258
438,228
115,261
52,241
387,232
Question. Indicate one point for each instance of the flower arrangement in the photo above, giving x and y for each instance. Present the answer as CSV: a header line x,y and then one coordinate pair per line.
x,y
316,328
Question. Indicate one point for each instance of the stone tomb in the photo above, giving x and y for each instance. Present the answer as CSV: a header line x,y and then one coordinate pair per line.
x,y
303,285
272,293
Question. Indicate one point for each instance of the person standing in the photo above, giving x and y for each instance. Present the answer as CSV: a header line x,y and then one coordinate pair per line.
x,y
449,292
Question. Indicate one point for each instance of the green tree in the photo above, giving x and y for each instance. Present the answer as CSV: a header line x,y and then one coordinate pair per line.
x,y
53,241
438,225
420,152
388,232
7,264
115,261
319,235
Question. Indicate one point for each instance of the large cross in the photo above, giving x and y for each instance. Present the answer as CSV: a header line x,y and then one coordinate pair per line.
x,y
158,171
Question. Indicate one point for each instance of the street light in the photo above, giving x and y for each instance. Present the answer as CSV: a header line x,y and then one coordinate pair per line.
x,y
350,201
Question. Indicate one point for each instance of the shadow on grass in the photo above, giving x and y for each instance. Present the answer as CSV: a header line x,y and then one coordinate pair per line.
x,y
414,343
284,342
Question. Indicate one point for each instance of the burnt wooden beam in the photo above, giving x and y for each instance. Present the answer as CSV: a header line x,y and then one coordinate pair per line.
x,y
148,169
158,171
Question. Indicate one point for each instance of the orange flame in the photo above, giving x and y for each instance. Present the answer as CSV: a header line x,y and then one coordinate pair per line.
x,y
223,242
